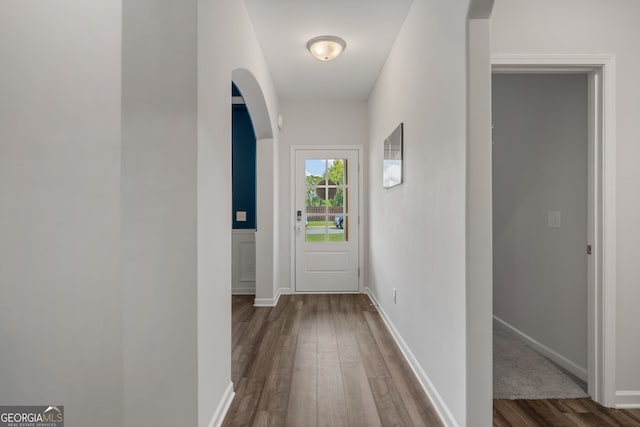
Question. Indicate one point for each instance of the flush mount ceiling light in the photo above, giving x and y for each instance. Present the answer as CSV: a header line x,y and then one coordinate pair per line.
x,y
326,48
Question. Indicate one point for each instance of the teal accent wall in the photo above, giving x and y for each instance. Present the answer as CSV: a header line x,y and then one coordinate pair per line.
x,y
243,165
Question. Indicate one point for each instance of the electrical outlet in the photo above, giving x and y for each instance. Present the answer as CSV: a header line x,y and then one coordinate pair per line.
x,y
395,295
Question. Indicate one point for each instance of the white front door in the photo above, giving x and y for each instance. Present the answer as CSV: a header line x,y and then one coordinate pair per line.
x,y
326,220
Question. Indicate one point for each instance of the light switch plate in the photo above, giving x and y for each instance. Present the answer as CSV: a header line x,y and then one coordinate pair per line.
x,y
241,216
554,219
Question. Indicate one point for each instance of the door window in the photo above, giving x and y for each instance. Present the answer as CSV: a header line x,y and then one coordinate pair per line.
x,y
326,200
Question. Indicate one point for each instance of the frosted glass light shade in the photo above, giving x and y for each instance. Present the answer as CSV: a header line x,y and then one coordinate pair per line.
x,y
326,48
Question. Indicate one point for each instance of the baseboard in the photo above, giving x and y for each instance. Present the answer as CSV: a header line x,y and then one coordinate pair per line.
x,y
438,402
557,358
628,399
271,302
245,290
223,407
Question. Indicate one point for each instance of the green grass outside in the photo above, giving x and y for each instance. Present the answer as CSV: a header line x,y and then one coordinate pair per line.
x,y
320,237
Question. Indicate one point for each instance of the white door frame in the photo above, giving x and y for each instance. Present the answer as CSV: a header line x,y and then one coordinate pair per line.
x,y
292,204
601,200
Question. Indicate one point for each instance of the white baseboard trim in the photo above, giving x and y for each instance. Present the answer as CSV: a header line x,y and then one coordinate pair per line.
x,y
438,402
271,302
567,364
223,407
244,290
628,399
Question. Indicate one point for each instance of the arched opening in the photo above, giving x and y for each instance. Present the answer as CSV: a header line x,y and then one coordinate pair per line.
x,y
253,249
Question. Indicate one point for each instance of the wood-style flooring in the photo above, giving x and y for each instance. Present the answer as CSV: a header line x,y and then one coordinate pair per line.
x,y
561,412
321,360
328,360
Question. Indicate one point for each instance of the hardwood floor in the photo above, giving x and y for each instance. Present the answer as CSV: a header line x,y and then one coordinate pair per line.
x,y
321,360
561,412
328,360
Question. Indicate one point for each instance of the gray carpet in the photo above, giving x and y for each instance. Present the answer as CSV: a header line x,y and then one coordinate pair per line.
x,y
519,372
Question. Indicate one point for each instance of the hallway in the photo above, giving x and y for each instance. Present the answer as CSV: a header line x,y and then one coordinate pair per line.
x,y
317,360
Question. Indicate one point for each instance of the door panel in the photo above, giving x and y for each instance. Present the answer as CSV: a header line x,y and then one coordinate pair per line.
x,y
326,220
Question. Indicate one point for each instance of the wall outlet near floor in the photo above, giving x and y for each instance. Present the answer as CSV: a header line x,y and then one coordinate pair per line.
x,y
395,294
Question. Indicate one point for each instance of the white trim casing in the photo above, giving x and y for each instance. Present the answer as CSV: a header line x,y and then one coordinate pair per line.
x,y
628,399
479,222
438,402
223,407
556,357
602,202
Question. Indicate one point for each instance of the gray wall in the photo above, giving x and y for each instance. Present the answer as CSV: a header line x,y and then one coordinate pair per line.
x,y
540,141
60,207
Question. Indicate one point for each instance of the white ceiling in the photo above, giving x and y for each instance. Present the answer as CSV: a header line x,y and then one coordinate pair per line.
x,y
283,28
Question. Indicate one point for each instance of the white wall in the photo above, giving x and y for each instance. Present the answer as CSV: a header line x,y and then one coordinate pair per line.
x,y
417,230
540,139
60,208
116,319
313,123
159,142
588,26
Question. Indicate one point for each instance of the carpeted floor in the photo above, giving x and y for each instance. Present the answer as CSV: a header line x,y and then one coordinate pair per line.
x,y
519,372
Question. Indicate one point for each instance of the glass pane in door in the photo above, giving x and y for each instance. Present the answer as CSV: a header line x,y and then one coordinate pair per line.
x,y
326,193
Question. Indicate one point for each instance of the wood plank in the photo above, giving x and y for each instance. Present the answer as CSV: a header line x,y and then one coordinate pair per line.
x,y
560,412
389,402
633,414
308,324
327,341
345,337
293,316
513,414
265,354
361,405
332,405
280,309
275,397
601,413
415,399
240,361
256,324
241,308
243,407
303,398
498,419
269,419
370,353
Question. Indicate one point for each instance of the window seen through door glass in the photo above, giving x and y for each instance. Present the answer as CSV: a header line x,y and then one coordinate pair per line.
x,y
326,200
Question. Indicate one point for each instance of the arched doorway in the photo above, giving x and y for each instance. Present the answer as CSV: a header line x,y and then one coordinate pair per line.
x,y
265,207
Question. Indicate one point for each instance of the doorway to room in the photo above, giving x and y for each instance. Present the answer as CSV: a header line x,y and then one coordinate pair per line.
x,y
243,172
601,211
540,235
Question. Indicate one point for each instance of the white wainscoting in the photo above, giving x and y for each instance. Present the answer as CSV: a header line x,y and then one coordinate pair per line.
x,y
243,262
